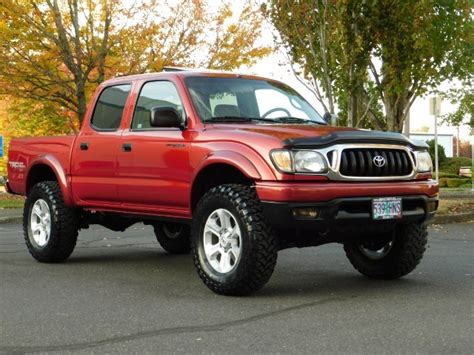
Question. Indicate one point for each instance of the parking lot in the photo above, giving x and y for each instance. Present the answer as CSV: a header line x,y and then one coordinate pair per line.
x,y
120,292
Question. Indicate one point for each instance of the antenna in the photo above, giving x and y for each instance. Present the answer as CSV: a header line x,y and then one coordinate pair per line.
x,y
172,69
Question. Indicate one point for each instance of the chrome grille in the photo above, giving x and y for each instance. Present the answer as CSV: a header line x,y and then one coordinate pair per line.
x,y
360,162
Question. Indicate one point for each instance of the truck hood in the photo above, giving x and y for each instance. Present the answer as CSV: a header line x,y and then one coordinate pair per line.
x,y
302,136
281,132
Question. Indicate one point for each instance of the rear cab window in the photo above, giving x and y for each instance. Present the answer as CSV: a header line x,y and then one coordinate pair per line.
x,y
109,108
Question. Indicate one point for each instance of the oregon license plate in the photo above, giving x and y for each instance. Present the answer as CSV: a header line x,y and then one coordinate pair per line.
x,y
387,208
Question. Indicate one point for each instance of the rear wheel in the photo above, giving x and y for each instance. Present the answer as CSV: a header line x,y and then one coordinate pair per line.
x,y
50,228
234,250
392,257
173,237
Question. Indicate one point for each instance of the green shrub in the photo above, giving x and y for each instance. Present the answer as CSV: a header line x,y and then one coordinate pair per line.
x,y
452,165
442,174
441,152
455,182
443,182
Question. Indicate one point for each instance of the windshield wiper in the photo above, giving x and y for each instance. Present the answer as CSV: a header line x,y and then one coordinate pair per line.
x,y
287,119
228,119
284,119
238,119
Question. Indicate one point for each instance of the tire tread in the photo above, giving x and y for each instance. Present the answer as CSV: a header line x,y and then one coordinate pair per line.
x,y
64,230
407,254
180,245
257,270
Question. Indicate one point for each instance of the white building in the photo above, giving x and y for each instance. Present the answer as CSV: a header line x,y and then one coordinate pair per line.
x,y
444,139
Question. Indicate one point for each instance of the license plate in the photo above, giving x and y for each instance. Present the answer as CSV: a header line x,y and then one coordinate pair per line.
x,y
387,208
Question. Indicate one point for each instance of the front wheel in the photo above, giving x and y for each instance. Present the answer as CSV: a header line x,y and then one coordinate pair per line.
x,y
50,227
389,258
234,251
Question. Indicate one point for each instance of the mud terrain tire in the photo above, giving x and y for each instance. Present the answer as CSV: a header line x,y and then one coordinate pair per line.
x,y
258,248
173,237
406,252
47,199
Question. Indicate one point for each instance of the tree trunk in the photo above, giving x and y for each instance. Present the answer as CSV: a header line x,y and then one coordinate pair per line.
x,y
81,102
352,113
349,111
395,107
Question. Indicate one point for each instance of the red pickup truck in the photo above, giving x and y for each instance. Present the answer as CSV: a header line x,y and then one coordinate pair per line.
x,y
232,168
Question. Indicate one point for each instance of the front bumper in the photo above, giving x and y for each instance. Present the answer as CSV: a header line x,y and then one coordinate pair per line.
x,y
345,212
339,204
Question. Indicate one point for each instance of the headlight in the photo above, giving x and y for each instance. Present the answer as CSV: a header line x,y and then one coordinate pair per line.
x,y
309,161
423,162
300,161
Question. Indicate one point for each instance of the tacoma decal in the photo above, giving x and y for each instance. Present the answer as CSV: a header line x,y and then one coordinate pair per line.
x,y
16,165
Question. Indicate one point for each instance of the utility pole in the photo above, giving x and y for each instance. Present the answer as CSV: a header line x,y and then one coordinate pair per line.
x,y
406,127
471,140
436,148
457,143
435,108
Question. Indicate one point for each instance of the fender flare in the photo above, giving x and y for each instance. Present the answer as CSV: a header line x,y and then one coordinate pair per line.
x,y
231,158
54,164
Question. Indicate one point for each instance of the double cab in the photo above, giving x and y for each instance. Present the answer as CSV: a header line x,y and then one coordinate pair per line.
x,y
232,168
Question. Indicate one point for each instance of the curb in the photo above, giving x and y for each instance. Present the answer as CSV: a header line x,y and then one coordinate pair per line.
x,y
11,215
452,218
457,196
12,219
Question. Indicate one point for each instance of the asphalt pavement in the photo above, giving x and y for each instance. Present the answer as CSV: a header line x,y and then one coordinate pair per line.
x,y
120,292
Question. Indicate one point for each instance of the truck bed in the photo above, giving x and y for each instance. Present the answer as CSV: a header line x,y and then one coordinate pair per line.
x,y
24,153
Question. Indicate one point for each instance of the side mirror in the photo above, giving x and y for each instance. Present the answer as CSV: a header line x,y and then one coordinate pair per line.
x,y
165,117
330,118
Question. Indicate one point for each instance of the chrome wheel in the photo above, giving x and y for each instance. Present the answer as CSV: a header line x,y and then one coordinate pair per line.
x,y
222,241
40,223
378,254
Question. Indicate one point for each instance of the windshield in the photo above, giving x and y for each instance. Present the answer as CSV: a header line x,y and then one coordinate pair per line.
x,y
220,99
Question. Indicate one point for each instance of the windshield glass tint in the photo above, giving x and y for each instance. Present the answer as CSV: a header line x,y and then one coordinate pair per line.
x,y
236,98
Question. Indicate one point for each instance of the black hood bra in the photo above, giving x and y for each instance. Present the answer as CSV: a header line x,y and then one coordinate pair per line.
x,y
376,137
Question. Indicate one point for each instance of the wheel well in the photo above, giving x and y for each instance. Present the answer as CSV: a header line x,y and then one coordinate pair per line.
x,y
215,175
39,173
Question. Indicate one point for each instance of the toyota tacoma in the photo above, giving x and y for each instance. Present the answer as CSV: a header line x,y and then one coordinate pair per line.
x,y
232,168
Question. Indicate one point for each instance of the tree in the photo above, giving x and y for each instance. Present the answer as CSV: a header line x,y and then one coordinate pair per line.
x,y
420,45
189,35
441,151
465,149
60,51
305,32
464,98
47,54
332,43
382,52
23,117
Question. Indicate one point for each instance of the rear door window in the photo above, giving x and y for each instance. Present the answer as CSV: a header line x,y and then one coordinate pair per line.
x,y
109,107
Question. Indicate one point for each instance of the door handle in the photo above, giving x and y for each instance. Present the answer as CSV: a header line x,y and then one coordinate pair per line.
x,y
84,146
127,147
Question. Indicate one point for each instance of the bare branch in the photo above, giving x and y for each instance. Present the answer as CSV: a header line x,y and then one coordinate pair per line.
x,y
377,79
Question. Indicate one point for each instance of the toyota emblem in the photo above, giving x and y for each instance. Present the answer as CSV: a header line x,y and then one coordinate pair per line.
x,y
379,161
